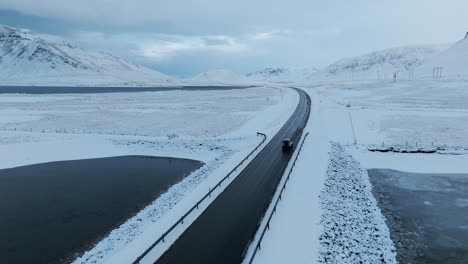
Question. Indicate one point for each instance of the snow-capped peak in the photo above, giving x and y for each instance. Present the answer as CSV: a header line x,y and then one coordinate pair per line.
x,y
26,58
6,31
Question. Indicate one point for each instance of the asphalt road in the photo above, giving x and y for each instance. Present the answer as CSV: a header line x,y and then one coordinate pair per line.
x,y
222,232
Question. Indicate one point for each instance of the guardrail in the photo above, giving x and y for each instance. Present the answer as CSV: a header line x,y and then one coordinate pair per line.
x,y
181,219
267,226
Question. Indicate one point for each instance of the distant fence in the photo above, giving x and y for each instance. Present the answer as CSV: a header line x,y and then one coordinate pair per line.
x,y
267,226
195,207
99,132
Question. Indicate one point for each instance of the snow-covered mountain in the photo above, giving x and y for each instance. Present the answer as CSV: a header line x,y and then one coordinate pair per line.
x,y
454,60
281,74
28,59
219,77
381,64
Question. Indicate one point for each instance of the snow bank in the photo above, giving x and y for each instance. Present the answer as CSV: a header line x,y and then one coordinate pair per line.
x,y
354,229
447,162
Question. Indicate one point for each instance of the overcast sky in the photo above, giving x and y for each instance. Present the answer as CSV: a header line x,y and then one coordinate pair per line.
x,y
186,37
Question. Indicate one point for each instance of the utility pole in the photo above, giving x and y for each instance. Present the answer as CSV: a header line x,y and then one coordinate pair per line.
x,y
281,92
437,72
410,73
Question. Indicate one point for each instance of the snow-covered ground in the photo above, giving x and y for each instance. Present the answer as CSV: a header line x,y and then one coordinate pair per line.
x,y
156,114
216,127
219,128
422,112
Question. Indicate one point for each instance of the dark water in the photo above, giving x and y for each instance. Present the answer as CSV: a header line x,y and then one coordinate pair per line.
x,y
49,211
84,90
427,214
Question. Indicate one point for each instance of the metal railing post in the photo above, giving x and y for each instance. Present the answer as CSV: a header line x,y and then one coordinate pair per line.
x,y
181,219
267,226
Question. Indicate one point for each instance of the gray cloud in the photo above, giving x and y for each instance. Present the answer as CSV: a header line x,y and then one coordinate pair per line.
x,y
175,35
213,41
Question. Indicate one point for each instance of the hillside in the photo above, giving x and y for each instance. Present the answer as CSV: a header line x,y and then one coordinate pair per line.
x,y
28,59
381,64
218,77
454,60
281,74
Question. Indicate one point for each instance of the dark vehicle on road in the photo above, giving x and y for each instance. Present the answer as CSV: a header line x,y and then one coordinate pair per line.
x,y
287,145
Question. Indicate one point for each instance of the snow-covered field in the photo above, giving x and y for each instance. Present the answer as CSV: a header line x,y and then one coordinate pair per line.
x,y
425,112
186,124
219,128
422,112
216,127
180,114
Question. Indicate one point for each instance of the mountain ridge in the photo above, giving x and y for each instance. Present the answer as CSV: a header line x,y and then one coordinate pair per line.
x,y
281,74
25,56
454,60
381,63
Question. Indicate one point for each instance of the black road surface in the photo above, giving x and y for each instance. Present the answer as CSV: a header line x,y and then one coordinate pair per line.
x,y
222,232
